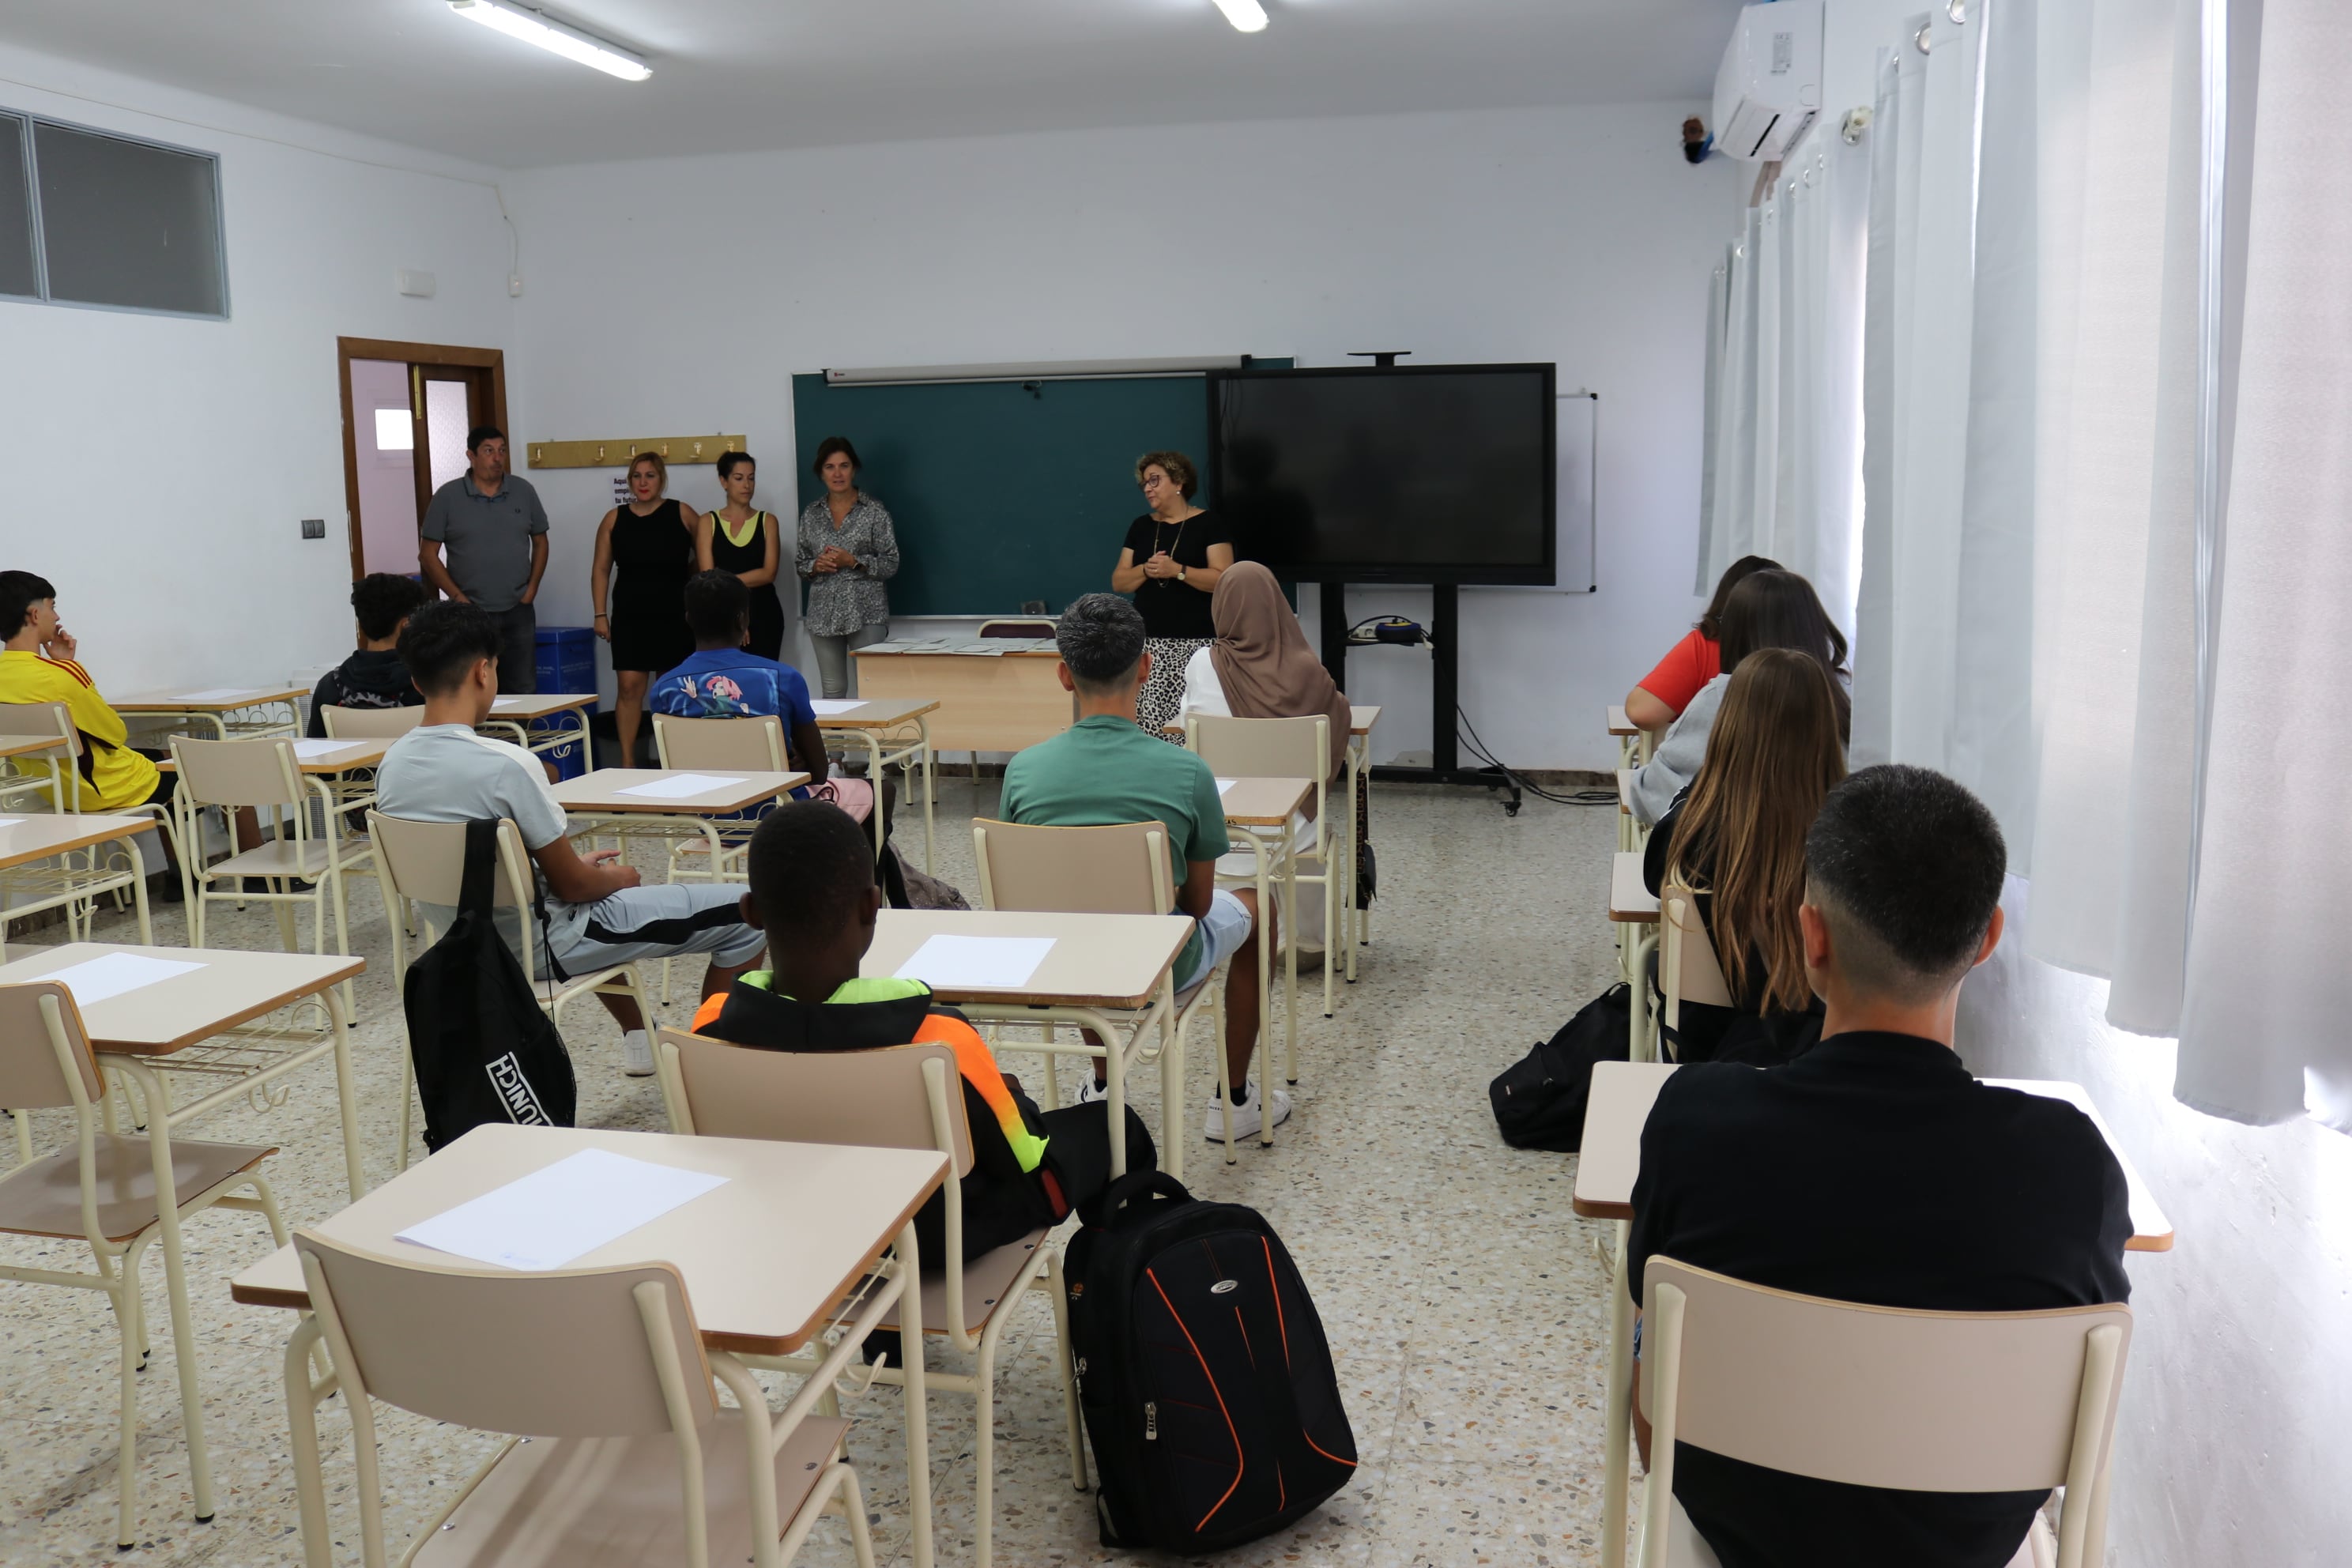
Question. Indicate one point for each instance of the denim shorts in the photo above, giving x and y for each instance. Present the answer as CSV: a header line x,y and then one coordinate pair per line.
x,y
1224,930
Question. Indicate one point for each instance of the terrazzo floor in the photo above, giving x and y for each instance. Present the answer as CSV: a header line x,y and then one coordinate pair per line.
x,y
1463,1299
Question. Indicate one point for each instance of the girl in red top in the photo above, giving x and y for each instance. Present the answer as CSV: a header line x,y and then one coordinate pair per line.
x,y
1691,663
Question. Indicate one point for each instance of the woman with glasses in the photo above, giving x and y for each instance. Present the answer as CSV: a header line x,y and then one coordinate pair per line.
x,y
1172,558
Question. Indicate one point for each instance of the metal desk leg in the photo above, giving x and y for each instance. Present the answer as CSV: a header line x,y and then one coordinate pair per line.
x,y
874,776
930,788
1115,1097
918,1409
156,1097
1637,976
1617,1410
302,1398
346,1094
1265,998
1290,954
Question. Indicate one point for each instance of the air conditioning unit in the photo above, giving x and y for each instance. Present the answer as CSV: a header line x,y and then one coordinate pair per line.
x,y
1768,91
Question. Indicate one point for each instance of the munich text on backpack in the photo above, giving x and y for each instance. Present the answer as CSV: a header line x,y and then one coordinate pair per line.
x,y
484,1050
1210,1403
1539,1099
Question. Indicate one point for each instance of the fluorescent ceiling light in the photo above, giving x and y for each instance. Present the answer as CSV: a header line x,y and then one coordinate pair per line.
x,y
561,39
1246,16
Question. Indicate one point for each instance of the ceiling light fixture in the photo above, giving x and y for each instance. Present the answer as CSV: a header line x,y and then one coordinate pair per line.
x,y
1246,16
556,37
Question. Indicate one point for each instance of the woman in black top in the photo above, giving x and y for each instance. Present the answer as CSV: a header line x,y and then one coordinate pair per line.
x,y
736,539
644,554
1172,558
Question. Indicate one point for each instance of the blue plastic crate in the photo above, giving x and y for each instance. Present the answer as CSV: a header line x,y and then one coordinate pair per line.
x,y
566,657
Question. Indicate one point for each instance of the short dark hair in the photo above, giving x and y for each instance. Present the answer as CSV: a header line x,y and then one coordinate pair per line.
x,y
441,642
19,591
1101,639
481,433
810,863
717,604
381,600
1175,464
731,461
1906,866
827,448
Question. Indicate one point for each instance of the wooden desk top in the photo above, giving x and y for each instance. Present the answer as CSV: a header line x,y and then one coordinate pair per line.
x,y
1630,902
200,699
1619,724
1622,1093
540,705
326,756
40,834
1361,719
172,1014
601,792
1264,803
1625,777
25,745
1014,647
765,1258
882,713
1097,961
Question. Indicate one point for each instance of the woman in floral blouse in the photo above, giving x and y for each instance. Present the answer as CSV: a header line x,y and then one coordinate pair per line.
x,y
846,551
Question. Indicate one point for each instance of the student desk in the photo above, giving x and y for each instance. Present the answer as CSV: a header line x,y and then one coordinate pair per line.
x,y
882,723
598,803
515,714
234,713
26,840
1098,965
1631,907
1001,700
1262,810
767,1258
1622,1093
20,781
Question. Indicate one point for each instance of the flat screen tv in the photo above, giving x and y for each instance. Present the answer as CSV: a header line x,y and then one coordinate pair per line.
x,y
1388,474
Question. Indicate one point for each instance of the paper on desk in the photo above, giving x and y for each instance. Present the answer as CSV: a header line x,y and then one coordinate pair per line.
x,y
827,706
93,980
1224,786
562,1212
505,704
677,786
310,750
217,694
10,821
977,962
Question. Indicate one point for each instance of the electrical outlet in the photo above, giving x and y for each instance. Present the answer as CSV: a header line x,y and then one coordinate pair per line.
x,y
314,528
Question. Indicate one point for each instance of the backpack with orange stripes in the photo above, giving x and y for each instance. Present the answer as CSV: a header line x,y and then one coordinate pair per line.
x,y
1210,1403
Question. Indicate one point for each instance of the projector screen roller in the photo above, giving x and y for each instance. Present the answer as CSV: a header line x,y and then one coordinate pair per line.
x,y
1395,474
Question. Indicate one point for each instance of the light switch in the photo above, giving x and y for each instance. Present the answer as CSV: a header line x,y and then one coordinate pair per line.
x,y
314,528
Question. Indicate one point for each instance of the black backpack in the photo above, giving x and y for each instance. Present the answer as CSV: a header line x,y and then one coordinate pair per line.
x,y
1539,1099
1210,1403
484,1050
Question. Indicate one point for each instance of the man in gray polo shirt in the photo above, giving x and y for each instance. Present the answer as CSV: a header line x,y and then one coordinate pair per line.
x,y
496,532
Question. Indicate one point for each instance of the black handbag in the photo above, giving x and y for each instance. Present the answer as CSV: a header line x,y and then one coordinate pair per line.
x,y
484,1049
1539,1099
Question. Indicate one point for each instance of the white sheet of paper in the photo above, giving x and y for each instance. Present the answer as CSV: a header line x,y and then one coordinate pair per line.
x,y
93,980
977,962
505,704
561,1213
829,705
10,821
217,694
677,786
1224,786
310,750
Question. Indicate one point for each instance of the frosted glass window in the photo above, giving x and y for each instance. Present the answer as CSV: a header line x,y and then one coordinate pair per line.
x,y
446,423
128,223
17,273
394,431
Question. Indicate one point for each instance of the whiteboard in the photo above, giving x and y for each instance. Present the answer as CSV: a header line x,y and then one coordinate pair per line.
x,y
1575,566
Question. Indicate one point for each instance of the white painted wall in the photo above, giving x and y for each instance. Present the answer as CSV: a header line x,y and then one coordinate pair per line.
x,y
670,296
177,456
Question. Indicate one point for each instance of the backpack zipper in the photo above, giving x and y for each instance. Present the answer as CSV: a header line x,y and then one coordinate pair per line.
x,y
1151,1420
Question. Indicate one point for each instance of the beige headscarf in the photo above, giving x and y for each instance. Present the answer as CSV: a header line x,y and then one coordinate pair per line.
x,y
1262,660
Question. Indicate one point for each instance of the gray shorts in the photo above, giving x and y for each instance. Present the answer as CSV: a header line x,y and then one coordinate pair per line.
x,y
667,919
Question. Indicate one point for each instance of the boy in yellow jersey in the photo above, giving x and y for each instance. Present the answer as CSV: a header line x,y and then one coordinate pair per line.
x,y
812,889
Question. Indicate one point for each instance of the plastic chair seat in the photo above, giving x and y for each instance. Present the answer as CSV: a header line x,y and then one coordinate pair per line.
x,y
1686,1549
44,1198
607,1502
989,1281
306,859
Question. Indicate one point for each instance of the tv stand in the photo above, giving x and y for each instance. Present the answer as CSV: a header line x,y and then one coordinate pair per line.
x,y
1445,618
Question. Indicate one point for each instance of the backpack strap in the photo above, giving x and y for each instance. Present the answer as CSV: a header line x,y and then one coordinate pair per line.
x,y
1104,1210
481,861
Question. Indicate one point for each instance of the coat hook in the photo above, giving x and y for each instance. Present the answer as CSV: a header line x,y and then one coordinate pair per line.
x,y
1922,39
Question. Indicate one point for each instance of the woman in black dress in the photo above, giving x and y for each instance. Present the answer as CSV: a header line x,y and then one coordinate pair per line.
x,y
736,539
1171,562
645,553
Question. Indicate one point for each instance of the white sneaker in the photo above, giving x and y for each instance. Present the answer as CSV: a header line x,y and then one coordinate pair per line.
x,y
636,1053
1091,1089
1248,1118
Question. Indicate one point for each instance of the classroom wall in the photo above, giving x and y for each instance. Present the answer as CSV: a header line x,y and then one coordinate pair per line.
x,y
679,296
170,460
2239,1391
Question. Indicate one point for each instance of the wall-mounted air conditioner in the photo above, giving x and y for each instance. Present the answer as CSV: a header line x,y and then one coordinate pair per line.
x,y
1770,88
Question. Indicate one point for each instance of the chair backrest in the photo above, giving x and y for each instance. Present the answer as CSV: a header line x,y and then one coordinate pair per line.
x,y
1121,870
427,860
45,720
755,744
1687,968
569,1354
45,1052
1017,629
238,772
370,723
871,1099
1262,748
1881,1396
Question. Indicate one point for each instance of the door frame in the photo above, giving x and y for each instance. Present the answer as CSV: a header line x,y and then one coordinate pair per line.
x,y
348,348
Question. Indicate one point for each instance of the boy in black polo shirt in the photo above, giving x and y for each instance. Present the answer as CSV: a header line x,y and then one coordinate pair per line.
x,y
1874,1169
373,677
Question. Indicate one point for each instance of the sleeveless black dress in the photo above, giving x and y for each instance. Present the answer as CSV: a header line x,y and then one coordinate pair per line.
x,y
653,556
767,610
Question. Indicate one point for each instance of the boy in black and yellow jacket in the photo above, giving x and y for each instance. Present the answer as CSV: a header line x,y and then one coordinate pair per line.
x,y
813,892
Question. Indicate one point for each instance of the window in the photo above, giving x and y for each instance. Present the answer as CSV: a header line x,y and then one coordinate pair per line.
x,y
88,217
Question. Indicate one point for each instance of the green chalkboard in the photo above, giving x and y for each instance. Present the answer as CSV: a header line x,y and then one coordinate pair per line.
x,y
1003,491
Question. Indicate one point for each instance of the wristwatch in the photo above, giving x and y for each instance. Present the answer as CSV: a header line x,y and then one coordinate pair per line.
x,y
1180,573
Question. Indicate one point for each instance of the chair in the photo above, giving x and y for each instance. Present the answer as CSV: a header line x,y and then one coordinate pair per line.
x,y
625,1456
39,775
1121,870
1688,970
755,744
57,785
1878,1397
903,1097
425,863
261,773
370,723
103,1190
